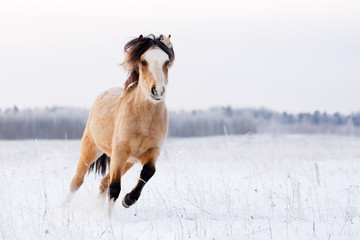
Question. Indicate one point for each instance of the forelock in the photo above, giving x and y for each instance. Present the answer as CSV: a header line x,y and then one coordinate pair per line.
x,y
138,46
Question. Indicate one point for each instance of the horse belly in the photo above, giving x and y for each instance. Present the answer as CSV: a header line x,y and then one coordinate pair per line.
x,y
133,160
103,140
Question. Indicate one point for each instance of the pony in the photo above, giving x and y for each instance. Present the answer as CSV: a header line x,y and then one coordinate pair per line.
x,y
129,125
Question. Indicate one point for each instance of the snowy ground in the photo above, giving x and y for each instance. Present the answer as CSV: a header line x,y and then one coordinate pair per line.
x,y
236,187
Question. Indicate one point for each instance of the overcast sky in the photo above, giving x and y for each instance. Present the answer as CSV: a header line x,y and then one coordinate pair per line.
x,y
283,55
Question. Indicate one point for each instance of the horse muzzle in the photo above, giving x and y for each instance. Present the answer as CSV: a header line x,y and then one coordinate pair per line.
x,y
157,95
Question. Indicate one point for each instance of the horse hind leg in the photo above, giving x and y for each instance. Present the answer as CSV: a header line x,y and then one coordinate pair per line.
x,y
88,154
104,184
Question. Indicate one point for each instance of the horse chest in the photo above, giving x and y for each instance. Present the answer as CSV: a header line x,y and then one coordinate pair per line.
x,y
149,133
140,145
148,124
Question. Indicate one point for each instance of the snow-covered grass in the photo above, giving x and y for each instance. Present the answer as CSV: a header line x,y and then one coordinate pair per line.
x,y
235,187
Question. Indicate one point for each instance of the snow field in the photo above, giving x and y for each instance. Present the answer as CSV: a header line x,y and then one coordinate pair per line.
x,y
235,187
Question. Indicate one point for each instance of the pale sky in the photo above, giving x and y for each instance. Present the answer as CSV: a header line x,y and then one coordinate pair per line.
x,y
286,55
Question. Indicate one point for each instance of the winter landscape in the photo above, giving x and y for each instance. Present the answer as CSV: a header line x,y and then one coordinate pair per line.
x,y
223,187
263,108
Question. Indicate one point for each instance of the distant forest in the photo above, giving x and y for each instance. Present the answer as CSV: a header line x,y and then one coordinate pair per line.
x,y
69,123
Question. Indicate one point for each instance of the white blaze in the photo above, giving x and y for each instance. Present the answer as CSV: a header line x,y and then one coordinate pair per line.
x,y
156,58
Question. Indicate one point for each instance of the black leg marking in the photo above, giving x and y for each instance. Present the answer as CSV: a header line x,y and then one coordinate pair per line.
x,y
146,173
114,190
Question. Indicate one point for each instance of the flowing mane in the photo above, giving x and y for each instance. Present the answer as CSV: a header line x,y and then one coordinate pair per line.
x,y
137,47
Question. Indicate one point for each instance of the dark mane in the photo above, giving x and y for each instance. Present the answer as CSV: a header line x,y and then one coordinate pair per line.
x,y
135,49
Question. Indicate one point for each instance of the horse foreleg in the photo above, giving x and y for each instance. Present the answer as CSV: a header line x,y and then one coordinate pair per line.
x,y
120,154
148,170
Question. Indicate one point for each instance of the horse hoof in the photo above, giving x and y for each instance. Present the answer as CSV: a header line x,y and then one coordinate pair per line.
x,y
127,201
124,203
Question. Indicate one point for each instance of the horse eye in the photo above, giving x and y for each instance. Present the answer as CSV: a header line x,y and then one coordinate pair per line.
x,y
143,62
166,63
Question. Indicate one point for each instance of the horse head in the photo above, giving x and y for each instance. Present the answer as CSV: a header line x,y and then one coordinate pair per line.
x,y
148,60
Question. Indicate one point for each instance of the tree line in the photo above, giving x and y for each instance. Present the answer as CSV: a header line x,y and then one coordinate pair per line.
x,y
69,122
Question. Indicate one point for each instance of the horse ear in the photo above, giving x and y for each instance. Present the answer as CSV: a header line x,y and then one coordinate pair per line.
x,y
166,41
141,37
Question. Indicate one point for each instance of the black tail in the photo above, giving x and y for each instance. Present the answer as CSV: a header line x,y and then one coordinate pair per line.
x,y
100,165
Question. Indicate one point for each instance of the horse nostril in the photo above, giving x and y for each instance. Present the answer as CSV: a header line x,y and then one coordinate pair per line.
x,y
162,92
153,91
